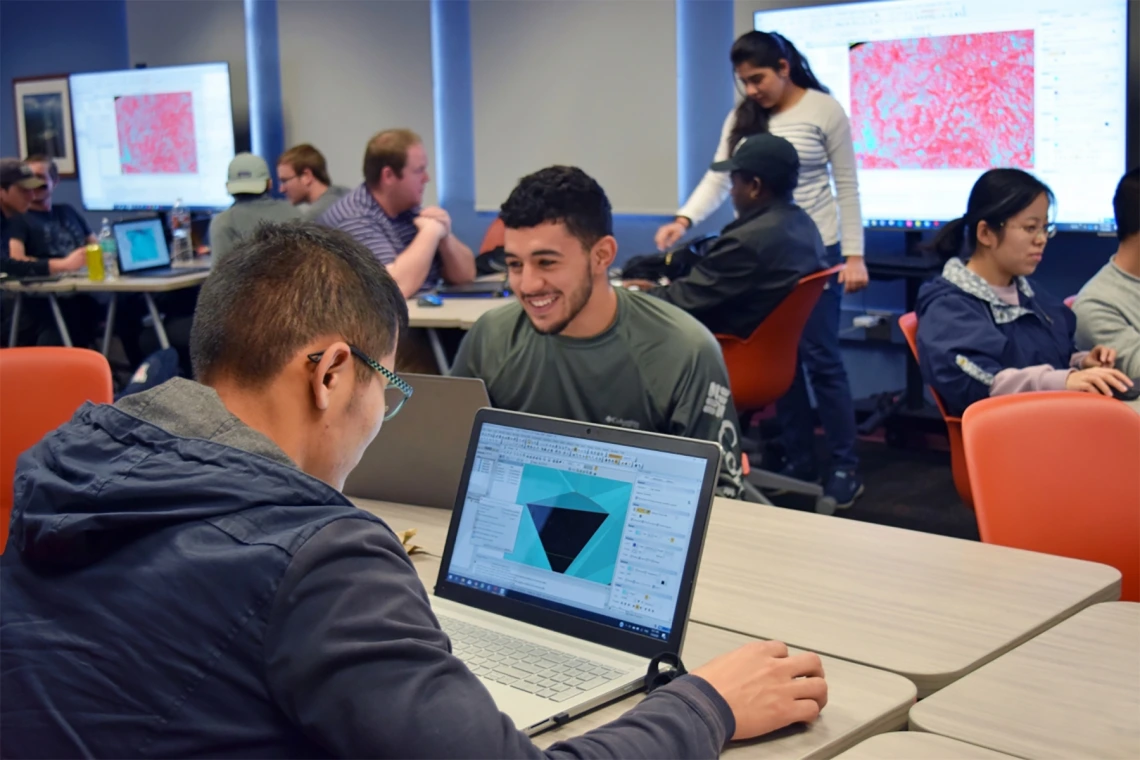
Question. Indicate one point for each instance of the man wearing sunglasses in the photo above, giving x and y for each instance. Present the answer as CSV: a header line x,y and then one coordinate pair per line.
x,y
184,577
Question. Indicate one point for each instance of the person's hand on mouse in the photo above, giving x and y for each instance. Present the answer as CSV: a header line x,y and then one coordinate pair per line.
x,y
766,688
1100,356
1098,380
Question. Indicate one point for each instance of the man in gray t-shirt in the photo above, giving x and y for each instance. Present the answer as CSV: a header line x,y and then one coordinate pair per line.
x,y
248,183
576,348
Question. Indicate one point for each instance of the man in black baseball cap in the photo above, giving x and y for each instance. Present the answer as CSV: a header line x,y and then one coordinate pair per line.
x,y
16,184
758,259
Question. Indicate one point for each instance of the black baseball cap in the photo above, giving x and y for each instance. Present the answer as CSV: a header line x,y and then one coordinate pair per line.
x,y
764,155
13,171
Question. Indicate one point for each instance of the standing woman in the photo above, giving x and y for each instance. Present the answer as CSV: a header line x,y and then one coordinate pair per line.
x,y
782,96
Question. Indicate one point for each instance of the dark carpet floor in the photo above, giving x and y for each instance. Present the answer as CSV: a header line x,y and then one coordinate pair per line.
x,y
906,488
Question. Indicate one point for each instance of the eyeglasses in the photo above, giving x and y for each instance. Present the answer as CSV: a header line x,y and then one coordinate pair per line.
x,y
398,390
1035,230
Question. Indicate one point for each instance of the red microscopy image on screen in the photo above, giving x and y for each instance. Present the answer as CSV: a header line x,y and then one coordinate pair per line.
x,y
156,133
963,101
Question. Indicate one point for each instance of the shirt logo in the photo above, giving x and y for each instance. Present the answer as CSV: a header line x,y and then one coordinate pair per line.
x,y
717,400
632,424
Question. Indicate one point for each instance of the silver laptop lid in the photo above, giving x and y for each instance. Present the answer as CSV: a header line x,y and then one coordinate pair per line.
x,y
417,456
591,531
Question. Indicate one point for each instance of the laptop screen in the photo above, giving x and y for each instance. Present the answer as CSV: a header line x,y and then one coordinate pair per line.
x,y
593,529
142,245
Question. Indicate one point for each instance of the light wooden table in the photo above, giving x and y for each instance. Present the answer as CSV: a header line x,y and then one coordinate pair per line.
x,y
147,286
1072,692
927,607
453,314
912,745
862,701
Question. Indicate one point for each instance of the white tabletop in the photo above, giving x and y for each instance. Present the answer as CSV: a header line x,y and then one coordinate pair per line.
x,y
1072,692
928,607
73,284
861,701
142,284
455,313
914,745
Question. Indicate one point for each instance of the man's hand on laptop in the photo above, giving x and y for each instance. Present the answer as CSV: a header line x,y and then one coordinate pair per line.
x,y
766,688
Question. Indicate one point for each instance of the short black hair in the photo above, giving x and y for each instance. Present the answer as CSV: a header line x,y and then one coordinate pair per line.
x,y
780,185
281,288
1126,205
563,194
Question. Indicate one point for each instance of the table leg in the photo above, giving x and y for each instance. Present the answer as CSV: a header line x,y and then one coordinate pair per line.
x,y
440,354
109,329
14,332
59,323
159,328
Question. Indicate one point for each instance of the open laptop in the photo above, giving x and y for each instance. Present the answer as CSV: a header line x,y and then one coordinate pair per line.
x,y
418,455
143,251
571,559
481,288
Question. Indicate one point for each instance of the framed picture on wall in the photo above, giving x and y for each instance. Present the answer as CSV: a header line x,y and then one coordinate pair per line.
x,y
43,120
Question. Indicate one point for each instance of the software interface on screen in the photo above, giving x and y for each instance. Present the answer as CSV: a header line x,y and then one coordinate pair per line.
x,y
593,529
142,245
939,91
146,138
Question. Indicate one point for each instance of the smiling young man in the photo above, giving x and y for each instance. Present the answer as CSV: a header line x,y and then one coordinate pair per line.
x,y
184,577
574,347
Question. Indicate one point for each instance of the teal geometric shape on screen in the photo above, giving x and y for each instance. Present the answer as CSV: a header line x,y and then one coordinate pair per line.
x,y
545,487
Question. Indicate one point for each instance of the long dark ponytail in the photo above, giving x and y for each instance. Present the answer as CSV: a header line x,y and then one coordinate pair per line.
x,y
766,50
998,195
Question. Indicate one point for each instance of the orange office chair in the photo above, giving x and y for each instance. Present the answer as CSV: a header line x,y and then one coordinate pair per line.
x,y
40,389
761,368
494,237
908,323
1056,472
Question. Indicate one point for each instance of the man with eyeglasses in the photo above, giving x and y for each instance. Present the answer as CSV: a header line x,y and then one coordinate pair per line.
x,y
303,178
184,577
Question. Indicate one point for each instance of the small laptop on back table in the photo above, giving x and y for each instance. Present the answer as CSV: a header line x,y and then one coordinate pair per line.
x,y
571,559
143,251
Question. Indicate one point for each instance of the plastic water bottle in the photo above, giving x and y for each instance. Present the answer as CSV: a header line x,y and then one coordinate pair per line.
x,y
110,251
182,250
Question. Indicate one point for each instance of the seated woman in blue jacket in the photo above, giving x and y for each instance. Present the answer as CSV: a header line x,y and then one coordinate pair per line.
x,y
983,328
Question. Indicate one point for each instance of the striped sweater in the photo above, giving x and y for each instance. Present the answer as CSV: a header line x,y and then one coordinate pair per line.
x,y
818,128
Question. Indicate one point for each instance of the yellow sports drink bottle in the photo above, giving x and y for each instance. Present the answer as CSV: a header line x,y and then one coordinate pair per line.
x,y
94,262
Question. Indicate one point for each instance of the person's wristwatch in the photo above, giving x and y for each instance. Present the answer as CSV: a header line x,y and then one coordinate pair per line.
x,y
684,220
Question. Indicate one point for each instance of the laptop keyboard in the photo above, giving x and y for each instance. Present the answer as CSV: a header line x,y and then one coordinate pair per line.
x,y
514,662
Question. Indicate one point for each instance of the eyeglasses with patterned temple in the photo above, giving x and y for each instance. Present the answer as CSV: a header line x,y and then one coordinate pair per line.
x,y
1037,230
397,391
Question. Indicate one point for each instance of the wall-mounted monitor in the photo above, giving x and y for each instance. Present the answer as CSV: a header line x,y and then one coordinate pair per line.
x,y
145,138
938,91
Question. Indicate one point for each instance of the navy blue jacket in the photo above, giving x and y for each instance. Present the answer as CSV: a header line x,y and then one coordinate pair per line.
x,y
966,334
174,586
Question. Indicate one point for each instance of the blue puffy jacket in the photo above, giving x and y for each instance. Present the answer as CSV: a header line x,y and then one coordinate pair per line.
x,y
966,334
173,586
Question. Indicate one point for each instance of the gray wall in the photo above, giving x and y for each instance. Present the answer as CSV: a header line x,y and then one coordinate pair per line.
x,y
350,69
174,33
590,84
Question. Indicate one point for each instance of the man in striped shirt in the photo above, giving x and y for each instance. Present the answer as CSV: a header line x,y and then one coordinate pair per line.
x,y
384,214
